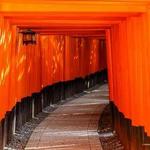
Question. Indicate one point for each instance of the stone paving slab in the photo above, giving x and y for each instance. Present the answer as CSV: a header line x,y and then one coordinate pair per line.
x,y
72,126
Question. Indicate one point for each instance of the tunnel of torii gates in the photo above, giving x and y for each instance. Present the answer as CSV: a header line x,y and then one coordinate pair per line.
x,y
69,45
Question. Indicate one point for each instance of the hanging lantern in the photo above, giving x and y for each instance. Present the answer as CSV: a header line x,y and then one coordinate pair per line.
x,y
29,37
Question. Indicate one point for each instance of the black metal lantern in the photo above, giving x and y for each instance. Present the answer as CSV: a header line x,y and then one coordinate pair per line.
x,y
29,37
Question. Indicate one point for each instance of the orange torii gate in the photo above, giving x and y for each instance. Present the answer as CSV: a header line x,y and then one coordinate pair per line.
x,y
127,28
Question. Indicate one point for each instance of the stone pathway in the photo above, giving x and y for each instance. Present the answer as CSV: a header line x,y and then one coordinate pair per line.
x,y
72,126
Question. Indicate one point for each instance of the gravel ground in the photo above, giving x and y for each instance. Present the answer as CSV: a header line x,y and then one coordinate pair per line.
x,y
109,138
20,139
